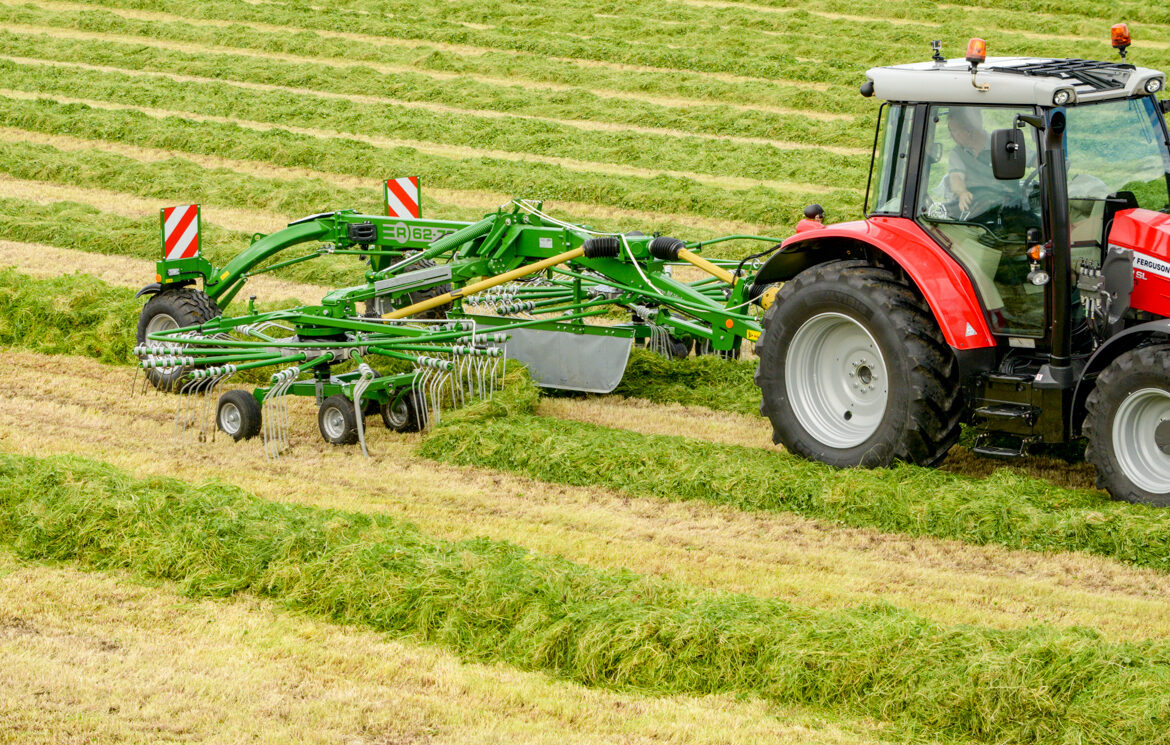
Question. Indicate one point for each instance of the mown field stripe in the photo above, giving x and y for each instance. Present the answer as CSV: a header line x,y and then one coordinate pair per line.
x,y
810,135
225,183
399,84
87,410
349,155
1008,509
717,162
84,639
389,56
491,601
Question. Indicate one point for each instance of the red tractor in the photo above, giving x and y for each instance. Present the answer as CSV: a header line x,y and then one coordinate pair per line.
x,y
1013,273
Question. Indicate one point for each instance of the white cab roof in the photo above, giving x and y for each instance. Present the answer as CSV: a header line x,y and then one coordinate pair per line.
x,y
1011,80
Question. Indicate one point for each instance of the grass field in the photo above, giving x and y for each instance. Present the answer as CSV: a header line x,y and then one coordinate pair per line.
x,y
645,567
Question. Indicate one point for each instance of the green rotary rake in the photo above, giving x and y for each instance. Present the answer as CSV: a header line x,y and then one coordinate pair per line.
x,y
442,307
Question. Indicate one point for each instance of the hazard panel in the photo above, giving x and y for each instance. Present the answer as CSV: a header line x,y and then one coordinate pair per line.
x,y
180,232
403,198
942,280
1147,234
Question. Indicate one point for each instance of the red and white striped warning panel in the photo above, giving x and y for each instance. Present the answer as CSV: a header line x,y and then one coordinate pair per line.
x,y
180,232
403,198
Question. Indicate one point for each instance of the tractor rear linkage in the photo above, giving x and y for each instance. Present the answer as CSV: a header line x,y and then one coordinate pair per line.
x,y
444,303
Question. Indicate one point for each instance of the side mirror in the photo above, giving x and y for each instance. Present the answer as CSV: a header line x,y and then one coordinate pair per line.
x,y
1164,104
1008,155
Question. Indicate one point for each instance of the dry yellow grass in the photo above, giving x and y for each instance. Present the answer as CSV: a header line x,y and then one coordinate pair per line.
x,y
487,201
127,205
84,407
97,658
40,260
430,148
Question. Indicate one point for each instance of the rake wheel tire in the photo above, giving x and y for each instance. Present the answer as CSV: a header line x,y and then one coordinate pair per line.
x,y
402,415
238,415
336,420
172,309
1128,427
872,381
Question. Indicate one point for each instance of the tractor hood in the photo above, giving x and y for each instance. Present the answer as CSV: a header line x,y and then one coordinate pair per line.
x,y
1147,234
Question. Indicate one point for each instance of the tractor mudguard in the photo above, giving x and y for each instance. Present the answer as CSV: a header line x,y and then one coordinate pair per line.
x,y
1113,348
943,282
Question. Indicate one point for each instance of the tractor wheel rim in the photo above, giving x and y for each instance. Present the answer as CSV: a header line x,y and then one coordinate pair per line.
x,y
334,421
230,418
837,380
1135,444
161,322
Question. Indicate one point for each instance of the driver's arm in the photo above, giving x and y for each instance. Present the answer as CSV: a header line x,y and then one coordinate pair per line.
x,y
959,189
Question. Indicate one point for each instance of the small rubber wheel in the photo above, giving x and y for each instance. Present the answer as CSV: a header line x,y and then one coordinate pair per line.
x,y
402,414
336,421
238,415
173,309
1128,427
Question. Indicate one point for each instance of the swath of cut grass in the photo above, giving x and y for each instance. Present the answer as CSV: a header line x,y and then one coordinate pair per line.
x,y
1008,508
491,601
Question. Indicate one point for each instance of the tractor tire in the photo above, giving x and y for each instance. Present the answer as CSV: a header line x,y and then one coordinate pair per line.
x,y
372,307
238,415
172,309
1128,427
855,372
337,421
403,414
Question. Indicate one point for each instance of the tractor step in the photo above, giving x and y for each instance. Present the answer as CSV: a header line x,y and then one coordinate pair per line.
x,y
998,451
1002,412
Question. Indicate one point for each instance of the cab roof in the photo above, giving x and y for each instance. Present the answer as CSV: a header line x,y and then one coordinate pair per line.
x,y
1012,80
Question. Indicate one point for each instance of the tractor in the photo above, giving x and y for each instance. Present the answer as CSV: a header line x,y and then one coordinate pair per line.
x,y
1012,273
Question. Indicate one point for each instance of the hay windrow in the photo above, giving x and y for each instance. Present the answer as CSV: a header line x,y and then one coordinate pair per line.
x,y
491,601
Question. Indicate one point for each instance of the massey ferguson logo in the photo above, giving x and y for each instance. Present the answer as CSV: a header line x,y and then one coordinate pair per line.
x,y
403,233
1144,263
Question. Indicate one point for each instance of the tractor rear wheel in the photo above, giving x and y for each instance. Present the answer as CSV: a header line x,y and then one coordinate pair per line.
x,y
1128,427
173,309
855,372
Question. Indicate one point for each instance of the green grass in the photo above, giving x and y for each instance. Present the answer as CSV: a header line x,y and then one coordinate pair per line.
x,y
1007,509
711,381
513,135
676,196
492,601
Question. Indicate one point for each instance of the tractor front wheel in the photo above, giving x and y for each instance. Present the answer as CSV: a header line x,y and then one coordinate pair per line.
x,y
173,309
855,372
1128,427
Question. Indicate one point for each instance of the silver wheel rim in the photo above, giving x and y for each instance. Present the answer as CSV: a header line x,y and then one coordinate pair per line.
x,y
334,423
837,382
1134,444
230,418
397,413
157,323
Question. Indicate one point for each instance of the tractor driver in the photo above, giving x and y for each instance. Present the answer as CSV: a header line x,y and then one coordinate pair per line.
x,y
971,182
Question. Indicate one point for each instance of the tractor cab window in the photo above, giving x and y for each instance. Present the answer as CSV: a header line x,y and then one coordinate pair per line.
x,y
1112,148
983,221
891,158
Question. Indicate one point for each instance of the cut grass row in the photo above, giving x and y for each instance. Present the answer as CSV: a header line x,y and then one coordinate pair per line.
x,y
173,180
457,93
1008,509
512,135
516,68
676,196
491,601
76,646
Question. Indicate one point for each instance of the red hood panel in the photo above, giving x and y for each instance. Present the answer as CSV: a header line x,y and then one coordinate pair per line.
x,y
1144,231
